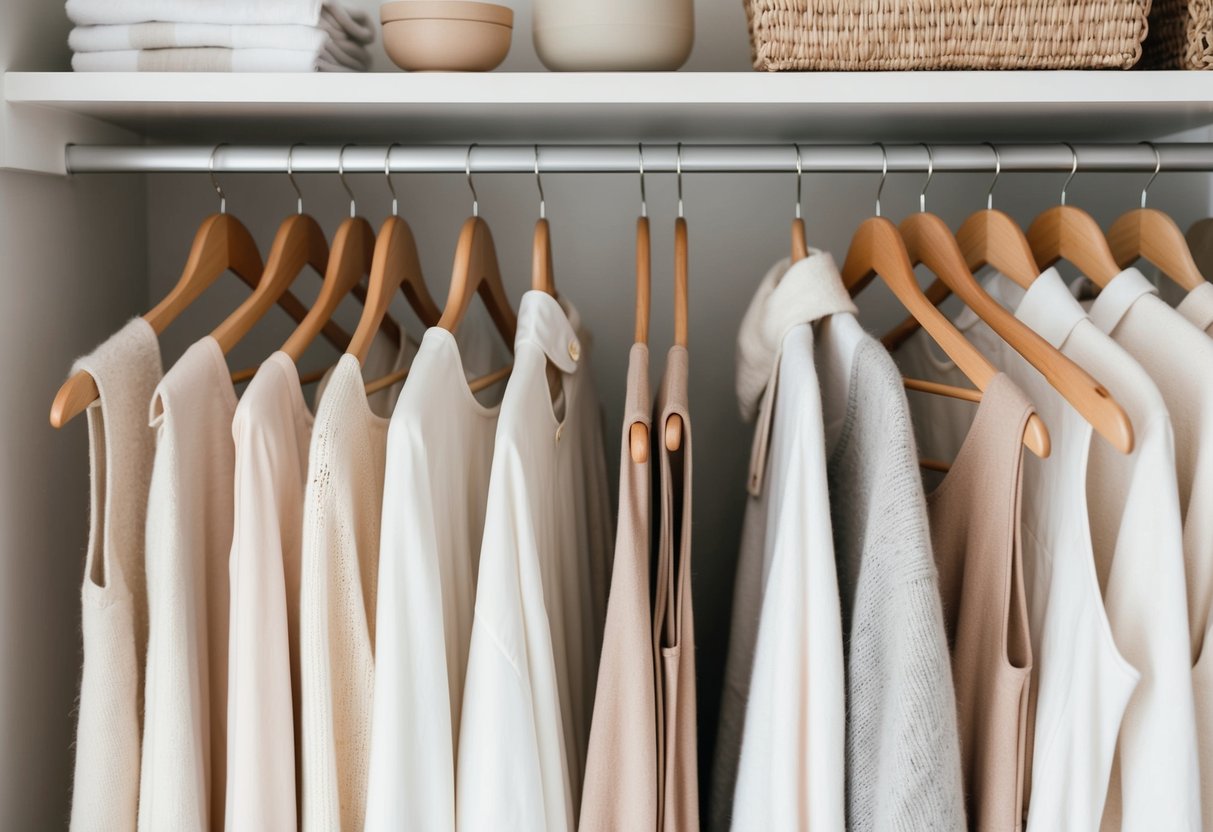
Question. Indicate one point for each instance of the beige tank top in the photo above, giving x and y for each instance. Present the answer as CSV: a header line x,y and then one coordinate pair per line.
x,y
974,516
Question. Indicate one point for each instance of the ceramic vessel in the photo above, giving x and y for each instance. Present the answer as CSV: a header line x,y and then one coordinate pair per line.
x,y
446,35
613,35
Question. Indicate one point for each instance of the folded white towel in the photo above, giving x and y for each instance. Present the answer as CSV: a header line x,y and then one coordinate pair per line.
x,y
327,39
207,60
228,12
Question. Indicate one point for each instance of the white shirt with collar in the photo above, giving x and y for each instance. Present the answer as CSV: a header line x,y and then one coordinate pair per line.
x,y
780,755
1178,357
533,655
1197,307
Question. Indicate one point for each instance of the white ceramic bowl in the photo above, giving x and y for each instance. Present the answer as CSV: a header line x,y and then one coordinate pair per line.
x,y
446,35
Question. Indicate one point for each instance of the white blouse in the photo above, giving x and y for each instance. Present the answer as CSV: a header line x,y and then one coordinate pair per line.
x,y
533,655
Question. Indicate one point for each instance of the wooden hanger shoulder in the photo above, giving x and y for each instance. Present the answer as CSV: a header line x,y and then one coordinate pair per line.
x,y
673,425
542,276
638,433
1064,232
348,261
475,272
1152,235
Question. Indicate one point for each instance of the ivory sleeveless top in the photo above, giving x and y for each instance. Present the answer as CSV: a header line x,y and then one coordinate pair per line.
x,y
974,516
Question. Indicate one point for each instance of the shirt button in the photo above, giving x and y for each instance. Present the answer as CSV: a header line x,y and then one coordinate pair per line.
x,y
574,350
559,431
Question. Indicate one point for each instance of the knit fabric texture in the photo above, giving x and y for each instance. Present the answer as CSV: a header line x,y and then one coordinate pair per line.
x,y
113,597
902,747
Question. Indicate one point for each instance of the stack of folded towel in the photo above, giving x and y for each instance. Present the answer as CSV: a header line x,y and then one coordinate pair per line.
x,y
218,36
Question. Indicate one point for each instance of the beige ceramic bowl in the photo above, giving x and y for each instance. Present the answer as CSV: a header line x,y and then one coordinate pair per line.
x,y
446,35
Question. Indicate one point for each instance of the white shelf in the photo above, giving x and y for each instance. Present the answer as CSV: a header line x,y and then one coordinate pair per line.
x,y
552,107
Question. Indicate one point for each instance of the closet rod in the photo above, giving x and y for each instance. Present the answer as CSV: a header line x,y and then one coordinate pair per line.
x,y
622,158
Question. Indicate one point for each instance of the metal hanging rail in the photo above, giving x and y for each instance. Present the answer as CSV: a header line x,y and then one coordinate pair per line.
x,y
624,158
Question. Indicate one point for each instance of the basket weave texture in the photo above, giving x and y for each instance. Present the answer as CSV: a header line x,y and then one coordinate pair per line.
x,y
1181,35
946,34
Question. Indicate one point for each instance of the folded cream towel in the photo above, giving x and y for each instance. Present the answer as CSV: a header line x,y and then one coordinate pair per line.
x,y
228,12
207,59
326,39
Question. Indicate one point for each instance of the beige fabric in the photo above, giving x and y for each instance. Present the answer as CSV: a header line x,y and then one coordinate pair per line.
x,y
974,515
673,621
189,538
621,787
113,612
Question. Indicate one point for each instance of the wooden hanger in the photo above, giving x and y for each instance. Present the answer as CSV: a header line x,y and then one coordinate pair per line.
x,y
221,244
800,242
928,241
1150,234
673,425
542,276
877,250
349,259
638,433
1065,232
476,272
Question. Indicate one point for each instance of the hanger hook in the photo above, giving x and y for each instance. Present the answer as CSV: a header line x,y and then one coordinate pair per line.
x,y
644,204
678,170
290,174
922,195
467,169
997,173
387,174
799,178
341,176
539,184
215,180
1157,168
1073,171
884,174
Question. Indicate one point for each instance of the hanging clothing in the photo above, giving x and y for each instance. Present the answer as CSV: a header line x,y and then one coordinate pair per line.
x,y
271,430
621,781
1197,307
673,617
533,655
340,562
113,597
975,515
439,454
903,748
1177,356
189,539
780,758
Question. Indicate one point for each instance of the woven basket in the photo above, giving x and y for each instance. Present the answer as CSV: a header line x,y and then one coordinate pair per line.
x,y
945,34
1181,35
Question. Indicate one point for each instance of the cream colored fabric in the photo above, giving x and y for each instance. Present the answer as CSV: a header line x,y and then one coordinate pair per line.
x,y
271,430
189,538
1197,307
439,454
975,536
673,617
340,565
113,598
1177,356
786,625
621,780
534,649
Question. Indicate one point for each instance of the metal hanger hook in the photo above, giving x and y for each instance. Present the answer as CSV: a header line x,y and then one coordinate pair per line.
x,y
922,195
1157,168
799,178
344,184
884,174
678,171
997,173
1073,171
215,180
290,175
387,174
543,213
644,203
467,169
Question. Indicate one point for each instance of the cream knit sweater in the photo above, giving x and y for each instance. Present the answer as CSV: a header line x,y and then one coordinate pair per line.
x,y
114,595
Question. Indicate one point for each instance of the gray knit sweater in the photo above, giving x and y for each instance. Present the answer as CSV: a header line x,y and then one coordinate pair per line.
x,y
903,751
